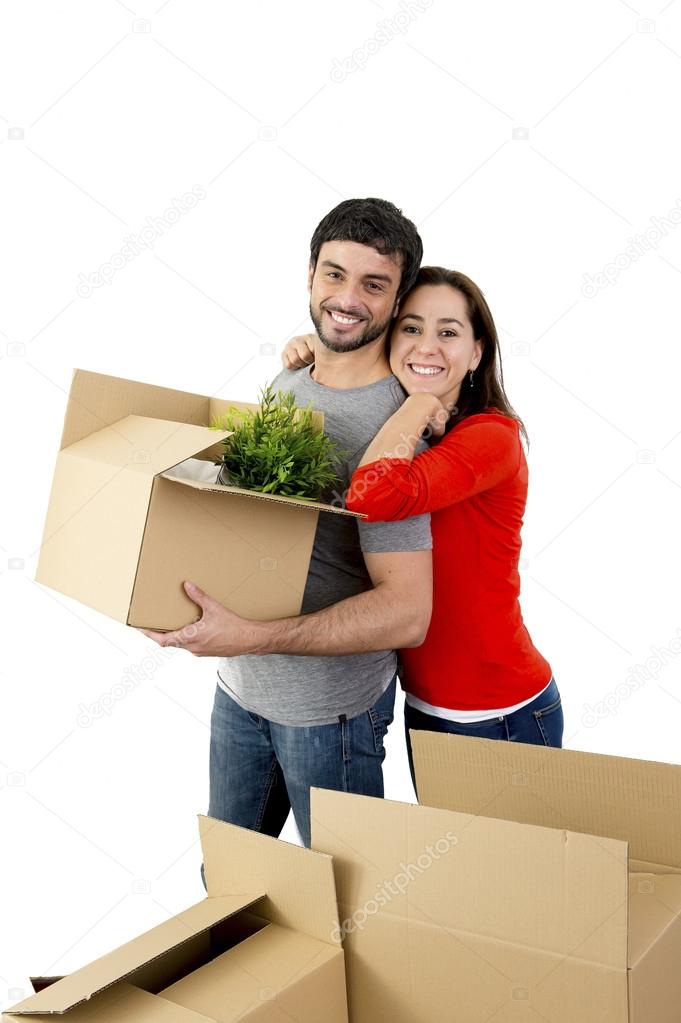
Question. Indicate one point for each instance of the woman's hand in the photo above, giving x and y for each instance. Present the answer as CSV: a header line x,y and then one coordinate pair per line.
x,y
299,352
435,414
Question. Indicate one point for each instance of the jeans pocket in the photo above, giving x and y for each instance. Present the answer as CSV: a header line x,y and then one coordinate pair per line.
x,y
549,721
381,715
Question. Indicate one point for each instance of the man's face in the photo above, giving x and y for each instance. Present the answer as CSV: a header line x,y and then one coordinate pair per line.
x,y
353,294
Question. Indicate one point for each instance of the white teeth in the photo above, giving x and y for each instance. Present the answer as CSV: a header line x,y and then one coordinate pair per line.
x,y
428,371
342,319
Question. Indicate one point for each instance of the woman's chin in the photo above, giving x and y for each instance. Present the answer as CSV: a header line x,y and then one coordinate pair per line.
x,y
412,386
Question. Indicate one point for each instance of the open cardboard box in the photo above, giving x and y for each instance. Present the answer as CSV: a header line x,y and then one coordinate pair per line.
x,y
121,535
263,946
531,884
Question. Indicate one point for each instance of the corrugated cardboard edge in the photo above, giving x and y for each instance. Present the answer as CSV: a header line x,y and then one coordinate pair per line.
x,y
103,973
279,498
300,884
121,1003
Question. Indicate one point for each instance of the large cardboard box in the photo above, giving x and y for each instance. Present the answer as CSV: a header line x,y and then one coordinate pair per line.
x,y
262,947
536,885
121,535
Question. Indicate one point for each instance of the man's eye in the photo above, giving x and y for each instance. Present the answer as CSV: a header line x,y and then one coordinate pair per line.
x,y
374,286
333,273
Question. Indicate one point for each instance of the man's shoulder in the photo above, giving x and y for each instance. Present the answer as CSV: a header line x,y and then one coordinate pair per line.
x,y
291,379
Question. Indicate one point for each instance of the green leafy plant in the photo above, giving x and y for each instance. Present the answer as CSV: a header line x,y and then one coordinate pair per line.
x,y
278,449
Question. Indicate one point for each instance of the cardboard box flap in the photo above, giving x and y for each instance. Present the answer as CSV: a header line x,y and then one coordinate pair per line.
x,y
114,966
145,445
241,492
97,400
120,1004
560,894
301,892
632,800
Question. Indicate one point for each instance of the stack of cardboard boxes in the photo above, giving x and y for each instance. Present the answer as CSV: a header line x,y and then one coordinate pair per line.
x,y
552,892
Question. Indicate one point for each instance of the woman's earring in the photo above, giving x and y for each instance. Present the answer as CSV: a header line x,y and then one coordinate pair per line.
x,y
470,376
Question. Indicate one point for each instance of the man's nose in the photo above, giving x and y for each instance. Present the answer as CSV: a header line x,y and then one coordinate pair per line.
x,y
349,297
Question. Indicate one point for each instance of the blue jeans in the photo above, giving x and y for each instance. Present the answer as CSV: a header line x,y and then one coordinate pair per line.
x,y
540,723
259,770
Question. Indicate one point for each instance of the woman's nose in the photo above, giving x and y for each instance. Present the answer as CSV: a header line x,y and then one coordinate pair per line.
x,y
427,344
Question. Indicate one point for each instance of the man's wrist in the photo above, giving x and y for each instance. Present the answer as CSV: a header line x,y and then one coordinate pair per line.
x,y
261,637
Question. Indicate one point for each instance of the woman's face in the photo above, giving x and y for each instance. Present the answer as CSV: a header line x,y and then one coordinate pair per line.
x,y
432,347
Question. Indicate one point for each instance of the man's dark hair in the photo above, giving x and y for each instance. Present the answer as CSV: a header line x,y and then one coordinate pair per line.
x,y
377,223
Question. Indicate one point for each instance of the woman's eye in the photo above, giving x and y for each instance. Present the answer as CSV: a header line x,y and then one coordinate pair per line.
x,y
449,333
411,329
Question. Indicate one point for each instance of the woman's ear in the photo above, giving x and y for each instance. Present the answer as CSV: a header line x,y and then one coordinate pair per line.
x,y
479,346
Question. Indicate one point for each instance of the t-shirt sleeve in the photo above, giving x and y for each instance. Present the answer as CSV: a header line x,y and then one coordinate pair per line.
x,y
387,537
465,462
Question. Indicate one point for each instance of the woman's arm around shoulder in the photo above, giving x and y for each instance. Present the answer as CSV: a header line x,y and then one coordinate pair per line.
x,y
478,453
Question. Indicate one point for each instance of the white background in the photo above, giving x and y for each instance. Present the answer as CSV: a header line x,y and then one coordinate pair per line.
x,y
529,142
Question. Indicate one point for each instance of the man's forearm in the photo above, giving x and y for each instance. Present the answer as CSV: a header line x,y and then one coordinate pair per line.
x,y
374,620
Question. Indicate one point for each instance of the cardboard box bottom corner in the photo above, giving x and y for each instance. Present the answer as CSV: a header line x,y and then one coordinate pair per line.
x,y
261,948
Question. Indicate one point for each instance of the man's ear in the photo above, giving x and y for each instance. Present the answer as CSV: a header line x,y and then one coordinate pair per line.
x,y
310,275
396,309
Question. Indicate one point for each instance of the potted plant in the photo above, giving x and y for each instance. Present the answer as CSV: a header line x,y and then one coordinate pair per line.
x,y
277,449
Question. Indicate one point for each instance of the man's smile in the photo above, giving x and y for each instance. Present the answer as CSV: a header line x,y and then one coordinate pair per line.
x,y
342,319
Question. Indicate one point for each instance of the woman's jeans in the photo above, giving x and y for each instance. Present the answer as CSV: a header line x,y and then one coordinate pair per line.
x,y
539,723
259,770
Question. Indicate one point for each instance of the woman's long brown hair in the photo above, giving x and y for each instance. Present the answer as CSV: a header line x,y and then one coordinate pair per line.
x,y
488,387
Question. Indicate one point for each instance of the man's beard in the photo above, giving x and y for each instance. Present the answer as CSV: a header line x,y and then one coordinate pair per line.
x,y
371,333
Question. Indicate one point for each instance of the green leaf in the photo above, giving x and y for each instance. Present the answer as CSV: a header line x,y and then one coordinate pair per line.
x,y
278,448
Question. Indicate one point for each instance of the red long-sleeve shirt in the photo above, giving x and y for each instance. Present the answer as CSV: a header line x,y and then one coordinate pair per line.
x,y
477,654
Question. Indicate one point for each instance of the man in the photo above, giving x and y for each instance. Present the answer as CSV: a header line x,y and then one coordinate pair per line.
x,y
307,700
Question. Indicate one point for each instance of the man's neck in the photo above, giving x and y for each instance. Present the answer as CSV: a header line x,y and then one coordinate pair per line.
x,y
345,370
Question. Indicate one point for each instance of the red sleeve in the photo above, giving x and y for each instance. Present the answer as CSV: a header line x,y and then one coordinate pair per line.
x,y
471,458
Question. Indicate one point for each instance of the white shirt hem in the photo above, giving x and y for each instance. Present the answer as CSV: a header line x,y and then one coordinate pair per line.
x,y
469,717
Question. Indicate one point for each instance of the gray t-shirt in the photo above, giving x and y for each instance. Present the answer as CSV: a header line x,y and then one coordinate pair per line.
x,y
306,690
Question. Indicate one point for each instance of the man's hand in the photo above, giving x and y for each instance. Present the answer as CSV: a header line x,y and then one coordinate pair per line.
x,y
299,352
218,633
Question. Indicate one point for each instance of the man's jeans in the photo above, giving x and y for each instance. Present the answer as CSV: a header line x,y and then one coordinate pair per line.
x,y
540,723
259,769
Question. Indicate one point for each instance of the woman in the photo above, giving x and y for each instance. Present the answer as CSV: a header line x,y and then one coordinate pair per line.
x,y
478,672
